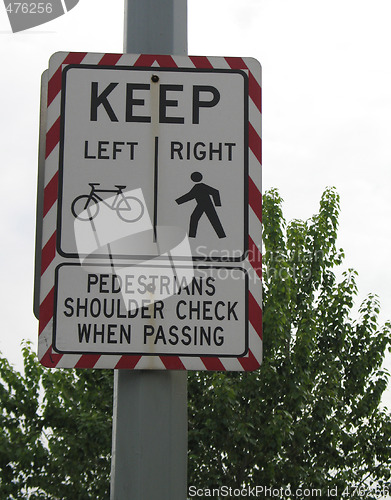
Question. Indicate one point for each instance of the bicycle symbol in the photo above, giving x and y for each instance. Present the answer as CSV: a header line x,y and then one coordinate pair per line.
x,y
86,206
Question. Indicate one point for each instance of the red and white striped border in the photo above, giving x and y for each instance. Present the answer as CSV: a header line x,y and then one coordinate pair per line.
x,y
50,258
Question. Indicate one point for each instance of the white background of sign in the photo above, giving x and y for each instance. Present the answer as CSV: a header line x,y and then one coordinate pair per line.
x,y
219,125
83,309
195,96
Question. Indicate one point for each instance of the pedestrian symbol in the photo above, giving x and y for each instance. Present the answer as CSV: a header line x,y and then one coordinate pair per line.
x,y
207,198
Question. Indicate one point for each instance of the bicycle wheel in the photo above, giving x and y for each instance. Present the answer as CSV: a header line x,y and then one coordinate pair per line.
x,y
84,207
130,209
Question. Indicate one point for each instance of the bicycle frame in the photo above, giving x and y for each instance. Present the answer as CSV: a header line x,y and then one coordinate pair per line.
x,y
93,195
129,208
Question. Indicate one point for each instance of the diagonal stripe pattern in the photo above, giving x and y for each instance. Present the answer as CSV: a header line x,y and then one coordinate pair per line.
x,y
252,359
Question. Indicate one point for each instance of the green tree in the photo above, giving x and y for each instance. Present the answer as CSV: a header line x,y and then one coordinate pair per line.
x,y
310,417
55,433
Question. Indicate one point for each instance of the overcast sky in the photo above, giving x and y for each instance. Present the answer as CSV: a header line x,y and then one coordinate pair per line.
x,y
326,121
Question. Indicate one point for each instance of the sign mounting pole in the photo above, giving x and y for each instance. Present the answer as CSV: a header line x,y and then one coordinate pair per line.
x,y
149,454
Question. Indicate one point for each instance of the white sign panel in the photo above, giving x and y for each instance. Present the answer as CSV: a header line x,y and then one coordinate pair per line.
x,y
100,312
178,135
152,213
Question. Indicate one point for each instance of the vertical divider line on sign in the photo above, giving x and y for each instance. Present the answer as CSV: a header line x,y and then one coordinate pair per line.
x,y
155,187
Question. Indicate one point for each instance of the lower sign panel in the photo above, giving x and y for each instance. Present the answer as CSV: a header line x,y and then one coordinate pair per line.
x,y
151,310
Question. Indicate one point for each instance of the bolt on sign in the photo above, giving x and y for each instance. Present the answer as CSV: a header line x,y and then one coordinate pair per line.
x,y
151,220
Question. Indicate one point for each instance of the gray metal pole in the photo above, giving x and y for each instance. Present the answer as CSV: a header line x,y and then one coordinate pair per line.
x,y
155,27
149,454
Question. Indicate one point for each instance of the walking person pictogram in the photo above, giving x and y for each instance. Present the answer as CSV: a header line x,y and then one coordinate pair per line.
x,y
207,198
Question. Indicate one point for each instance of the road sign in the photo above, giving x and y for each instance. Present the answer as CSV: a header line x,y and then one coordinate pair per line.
x,y
152,213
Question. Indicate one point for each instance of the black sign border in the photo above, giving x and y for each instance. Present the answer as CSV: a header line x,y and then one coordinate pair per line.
x,y
155,69
155,354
